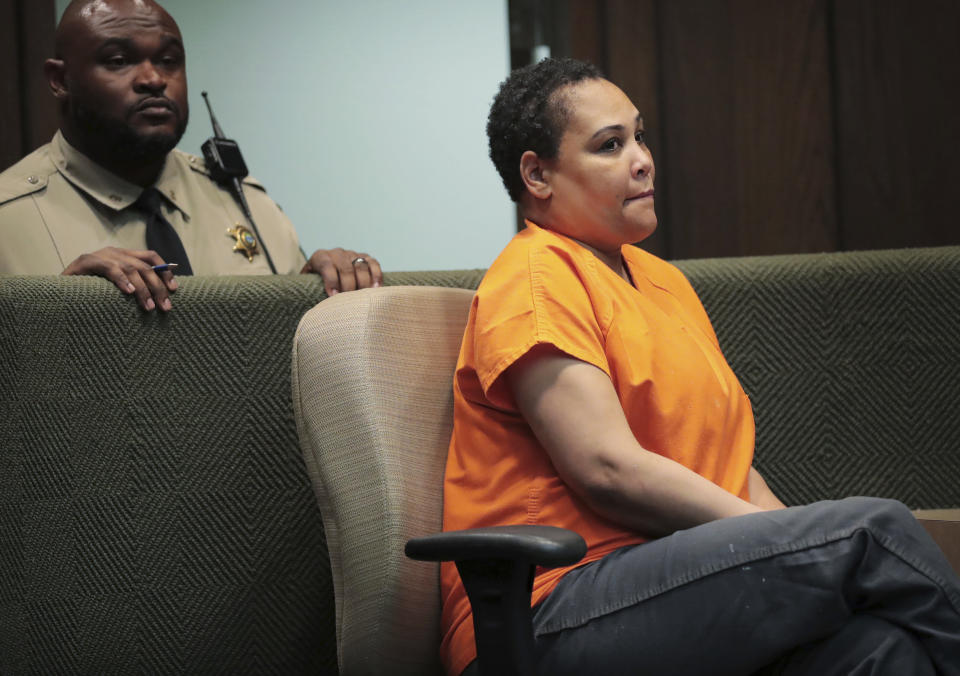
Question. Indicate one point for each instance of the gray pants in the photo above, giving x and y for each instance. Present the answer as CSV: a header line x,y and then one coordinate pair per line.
x,y
851,587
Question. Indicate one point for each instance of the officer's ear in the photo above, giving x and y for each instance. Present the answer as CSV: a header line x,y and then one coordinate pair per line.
x,y
55,72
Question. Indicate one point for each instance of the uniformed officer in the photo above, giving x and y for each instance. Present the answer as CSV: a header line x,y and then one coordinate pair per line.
x,y
110,195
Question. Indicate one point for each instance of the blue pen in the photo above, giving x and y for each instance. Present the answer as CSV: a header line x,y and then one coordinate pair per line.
x,y
163,267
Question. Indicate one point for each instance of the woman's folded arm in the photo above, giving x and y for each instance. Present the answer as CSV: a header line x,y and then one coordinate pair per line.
x,y
576,415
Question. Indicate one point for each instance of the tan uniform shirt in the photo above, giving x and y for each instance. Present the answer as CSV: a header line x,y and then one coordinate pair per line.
x,y
56,204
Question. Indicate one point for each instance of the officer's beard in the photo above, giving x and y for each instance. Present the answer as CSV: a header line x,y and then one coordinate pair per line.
x,y
110,137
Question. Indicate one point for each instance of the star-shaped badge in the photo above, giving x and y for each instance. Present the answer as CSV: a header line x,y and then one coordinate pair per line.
x,y
246,243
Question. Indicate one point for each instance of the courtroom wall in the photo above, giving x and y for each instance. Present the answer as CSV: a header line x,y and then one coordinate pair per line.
x,y
364,119
790,126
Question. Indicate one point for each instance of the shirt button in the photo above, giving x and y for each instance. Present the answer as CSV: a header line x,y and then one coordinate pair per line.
x,y
33,180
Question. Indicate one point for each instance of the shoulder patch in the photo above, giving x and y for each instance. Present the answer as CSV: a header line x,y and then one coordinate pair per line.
x,y
27,176
199,165
251,181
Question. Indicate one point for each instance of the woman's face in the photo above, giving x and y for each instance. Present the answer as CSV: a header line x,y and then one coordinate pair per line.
x,y
601,181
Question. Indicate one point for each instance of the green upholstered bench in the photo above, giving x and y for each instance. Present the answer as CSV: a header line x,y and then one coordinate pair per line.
x,y
156,515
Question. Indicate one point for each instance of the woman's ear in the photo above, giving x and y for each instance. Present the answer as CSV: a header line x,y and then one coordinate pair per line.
x,y
533,174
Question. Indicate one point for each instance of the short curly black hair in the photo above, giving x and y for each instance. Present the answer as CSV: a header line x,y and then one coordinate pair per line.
x,y
526,115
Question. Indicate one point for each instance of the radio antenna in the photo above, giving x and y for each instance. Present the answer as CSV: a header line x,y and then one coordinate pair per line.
x,y
217,131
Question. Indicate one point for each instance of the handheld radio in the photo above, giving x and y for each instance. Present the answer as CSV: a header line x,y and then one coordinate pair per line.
x,y
225,163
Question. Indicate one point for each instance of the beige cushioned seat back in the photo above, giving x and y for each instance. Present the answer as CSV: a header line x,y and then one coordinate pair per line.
x,y
372,393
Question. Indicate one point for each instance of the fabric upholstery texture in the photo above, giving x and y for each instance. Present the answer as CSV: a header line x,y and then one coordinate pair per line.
x,y
156,516
372,379
155,513
852,363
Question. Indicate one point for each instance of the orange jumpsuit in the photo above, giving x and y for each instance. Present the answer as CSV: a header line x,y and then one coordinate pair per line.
x,y
656,343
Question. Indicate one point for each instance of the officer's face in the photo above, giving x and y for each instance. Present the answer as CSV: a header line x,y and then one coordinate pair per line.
x,y
125,79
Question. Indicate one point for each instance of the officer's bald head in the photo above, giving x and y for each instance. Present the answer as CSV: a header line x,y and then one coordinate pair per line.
x,y
120,76
81,15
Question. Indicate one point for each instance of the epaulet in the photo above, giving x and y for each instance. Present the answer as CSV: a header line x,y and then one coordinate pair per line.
x,y
27,176
199,165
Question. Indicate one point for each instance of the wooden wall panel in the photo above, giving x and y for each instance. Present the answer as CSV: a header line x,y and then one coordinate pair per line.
x,y
621,38
587,33
898,95
747,121
28,116
38,21
10,144
790,126
632,61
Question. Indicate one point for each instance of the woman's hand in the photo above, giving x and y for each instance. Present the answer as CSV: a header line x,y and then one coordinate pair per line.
x,y
576,415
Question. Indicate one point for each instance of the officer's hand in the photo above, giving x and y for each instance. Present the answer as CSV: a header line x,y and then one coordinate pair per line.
x,y
344,270
132,272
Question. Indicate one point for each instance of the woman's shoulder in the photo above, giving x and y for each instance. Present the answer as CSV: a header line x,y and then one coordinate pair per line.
x,y
539,274
535,253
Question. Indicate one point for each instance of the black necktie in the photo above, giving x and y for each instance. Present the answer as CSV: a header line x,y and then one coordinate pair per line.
x,y
161,237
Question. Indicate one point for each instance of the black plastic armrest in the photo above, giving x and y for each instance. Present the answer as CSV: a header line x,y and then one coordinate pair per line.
x,y
497,566
546,546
